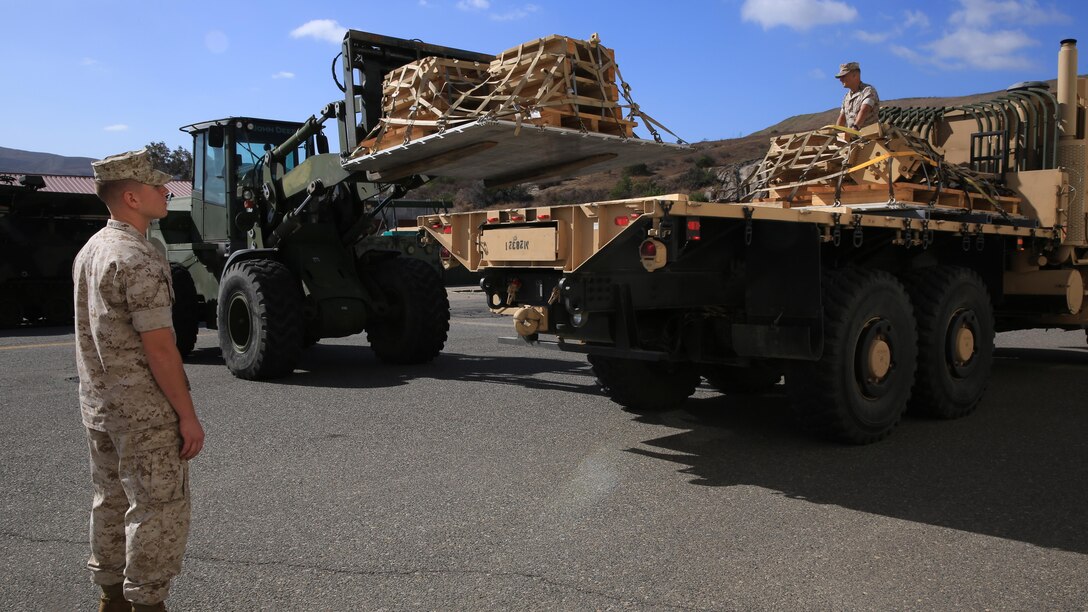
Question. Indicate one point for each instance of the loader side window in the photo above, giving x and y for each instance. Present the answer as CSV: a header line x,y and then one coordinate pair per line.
x,y
215,183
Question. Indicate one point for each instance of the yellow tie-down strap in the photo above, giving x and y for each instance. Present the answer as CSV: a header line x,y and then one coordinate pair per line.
x,y
884,156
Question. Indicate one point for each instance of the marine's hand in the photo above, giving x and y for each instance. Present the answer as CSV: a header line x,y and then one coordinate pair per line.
x,y
192,437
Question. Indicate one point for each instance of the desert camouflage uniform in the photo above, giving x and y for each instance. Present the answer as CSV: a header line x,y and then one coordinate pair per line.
x,y
854,100
140,513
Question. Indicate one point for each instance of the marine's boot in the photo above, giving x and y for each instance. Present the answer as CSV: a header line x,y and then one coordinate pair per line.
x,y
113,599
159,607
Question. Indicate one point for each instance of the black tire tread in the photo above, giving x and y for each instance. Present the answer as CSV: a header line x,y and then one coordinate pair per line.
x,y
818,402
185,315
927,289
279,309
419,334
644,385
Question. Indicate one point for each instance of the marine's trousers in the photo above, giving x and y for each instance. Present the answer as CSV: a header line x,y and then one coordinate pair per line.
x,y
140,513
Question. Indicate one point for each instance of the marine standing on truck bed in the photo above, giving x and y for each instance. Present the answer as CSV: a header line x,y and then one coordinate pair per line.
x,y
872,273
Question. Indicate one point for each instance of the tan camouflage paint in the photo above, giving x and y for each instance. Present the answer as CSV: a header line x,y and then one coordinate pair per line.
x,y
854,100
140,513
122,288
131,165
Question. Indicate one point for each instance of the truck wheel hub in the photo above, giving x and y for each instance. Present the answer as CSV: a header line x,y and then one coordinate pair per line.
x,y
874,361
238,322
960,343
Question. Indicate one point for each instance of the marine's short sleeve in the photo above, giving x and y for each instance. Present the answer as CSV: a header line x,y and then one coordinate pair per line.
x,y
147,291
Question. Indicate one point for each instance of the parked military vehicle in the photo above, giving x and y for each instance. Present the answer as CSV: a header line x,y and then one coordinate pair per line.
x,y
869,268
280,246
40,234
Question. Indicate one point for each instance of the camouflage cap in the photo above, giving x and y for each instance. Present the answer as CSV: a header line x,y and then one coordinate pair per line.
x,y
847,68
132,165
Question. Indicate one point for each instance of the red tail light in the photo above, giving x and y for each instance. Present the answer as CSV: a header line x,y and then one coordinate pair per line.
x,y
447,229
543,217
694,226
445,253
635,215
623,220
492,219
517,218
648,249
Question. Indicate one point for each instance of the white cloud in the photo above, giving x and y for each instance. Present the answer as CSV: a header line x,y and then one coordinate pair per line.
x,y
117,127
283,74
216,41
873,37
915,18
322,29
474,5
88,61
983,13
516,14
907,54
817,74
984,50
797,14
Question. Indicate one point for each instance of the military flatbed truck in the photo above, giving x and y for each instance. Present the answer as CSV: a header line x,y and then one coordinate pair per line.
x,y
280,244
871,269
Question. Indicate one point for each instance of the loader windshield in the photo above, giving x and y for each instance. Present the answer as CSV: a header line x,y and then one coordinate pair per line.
x,y
252,143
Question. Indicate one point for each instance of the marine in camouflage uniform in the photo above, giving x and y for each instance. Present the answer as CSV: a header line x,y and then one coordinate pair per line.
x,y
861,104
134,397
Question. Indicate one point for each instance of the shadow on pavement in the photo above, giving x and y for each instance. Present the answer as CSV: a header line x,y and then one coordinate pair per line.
x,y
356,367
1016,468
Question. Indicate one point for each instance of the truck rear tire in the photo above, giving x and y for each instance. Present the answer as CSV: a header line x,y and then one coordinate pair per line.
x,y
415,327
756,378
186,315
644,385
858,390
955,340
260,319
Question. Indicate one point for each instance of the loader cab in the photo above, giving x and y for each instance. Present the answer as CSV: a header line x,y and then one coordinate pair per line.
x,y
227,158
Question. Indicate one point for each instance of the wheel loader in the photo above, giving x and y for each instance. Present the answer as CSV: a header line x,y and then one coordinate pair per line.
x,y
280,243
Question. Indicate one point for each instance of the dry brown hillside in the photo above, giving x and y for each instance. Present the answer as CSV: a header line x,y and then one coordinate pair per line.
x,y
693,172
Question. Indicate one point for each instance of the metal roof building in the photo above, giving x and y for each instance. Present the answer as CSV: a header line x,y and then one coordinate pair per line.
x,y
59,183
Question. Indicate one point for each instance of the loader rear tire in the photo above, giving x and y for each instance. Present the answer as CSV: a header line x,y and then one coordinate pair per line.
x,y
260,319
648,386
858,390
186,315
414,328
955,341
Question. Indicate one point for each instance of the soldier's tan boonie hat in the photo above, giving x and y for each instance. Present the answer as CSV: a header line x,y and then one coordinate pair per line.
x,y
847,68
132,165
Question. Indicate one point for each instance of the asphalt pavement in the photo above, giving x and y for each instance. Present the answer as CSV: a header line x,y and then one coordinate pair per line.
x,y
499,478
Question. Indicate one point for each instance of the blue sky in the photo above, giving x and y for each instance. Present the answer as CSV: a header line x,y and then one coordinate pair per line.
x,y
95,77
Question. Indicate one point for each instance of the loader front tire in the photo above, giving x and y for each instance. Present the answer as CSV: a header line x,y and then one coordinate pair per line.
x,y
185,310
416,320
648,386
955,341
260,319
858,390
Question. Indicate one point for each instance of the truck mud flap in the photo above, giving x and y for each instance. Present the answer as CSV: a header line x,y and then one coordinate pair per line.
x,y
778,342
782,294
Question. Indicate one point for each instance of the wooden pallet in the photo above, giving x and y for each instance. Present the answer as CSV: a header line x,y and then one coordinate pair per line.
x,y
438,82
586,55
905,193
612,125
394,137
